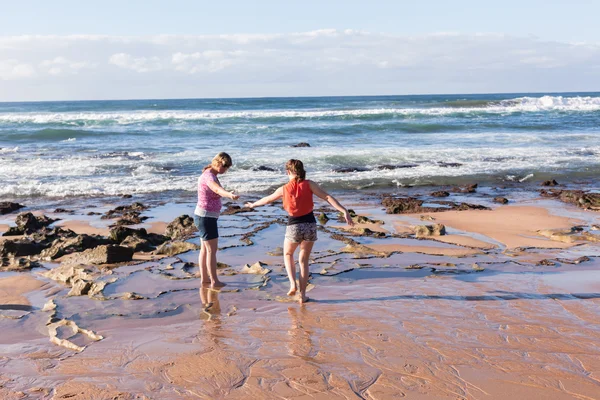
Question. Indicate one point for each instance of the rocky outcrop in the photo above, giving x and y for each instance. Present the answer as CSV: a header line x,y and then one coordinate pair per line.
x,y
264,168
472,188
75,244
350,169
105,254
28,223
234,209
301,144
127,215
429,230
501,200
12,263
410,205
580,198
6,207
440,193
444,164
181,227
172,248
551,182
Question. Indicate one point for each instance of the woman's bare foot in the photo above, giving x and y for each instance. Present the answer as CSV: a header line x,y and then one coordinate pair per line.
x,y
217,284
303,299
292,291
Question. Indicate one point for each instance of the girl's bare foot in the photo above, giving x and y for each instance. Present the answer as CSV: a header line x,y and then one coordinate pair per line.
x,y
303,299
217,284
292,291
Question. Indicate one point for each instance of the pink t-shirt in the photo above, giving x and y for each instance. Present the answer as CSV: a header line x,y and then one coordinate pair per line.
x,y
209,203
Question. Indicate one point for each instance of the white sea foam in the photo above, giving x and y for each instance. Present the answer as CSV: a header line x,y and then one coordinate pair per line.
x,y
522,104
8,149
87,175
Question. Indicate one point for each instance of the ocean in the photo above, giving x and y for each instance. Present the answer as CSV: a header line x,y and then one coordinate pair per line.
x,y
104,148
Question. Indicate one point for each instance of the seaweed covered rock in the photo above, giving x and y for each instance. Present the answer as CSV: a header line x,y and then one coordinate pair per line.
x,y
429,230
6,207
580,198
27,223
411,205
104,254
180,227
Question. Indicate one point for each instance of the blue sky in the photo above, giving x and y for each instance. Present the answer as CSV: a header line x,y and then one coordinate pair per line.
x,y
574,20
139,49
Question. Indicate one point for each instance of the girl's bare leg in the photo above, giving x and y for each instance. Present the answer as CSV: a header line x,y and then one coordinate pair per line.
x,y
305,249
211,260
204,277
288,258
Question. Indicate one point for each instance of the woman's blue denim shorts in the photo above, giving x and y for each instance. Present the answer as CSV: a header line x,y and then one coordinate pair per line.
x,y
207,227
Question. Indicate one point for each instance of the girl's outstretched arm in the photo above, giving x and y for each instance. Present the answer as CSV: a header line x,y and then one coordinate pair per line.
x,y
266,200
316,189
218,189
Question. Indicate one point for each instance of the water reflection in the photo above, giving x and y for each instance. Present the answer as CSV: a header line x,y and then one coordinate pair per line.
x,y
301,344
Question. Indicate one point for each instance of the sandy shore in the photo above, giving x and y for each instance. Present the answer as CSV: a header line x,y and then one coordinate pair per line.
x,y
473,314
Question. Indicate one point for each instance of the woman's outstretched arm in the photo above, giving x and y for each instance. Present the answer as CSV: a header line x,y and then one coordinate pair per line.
x,y
316,189
267,199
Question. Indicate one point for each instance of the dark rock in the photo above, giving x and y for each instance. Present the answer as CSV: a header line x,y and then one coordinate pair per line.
x,y
410,205
449,164
172,248
350,169
263,168
501,200
133,209
63,211
137,244
580,198
234,209
28,223
70,245
105,254
302,144
120,233
465,189
546,262
440,193
127,196
93,213
390,166
550,183
20,248
180,227
7,207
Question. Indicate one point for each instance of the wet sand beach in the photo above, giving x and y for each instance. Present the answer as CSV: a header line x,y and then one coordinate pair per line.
x,y
505,304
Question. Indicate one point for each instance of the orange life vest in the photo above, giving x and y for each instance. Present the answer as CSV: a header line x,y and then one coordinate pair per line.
x,y
297,198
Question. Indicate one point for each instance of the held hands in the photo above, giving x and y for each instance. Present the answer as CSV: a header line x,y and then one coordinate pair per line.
x,y
249,204
234,196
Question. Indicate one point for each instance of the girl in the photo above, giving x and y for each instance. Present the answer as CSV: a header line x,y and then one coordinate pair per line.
x,y
301,228
206,214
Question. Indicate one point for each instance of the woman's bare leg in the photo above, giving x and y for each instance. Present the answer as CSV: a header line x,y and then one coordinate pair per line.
x,y
204,277
212,246
288,258
303,257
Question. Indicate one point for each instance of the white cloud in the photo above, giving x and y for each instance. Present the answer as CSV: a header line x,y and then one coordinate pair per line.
x,y
14,69
321,62
137,64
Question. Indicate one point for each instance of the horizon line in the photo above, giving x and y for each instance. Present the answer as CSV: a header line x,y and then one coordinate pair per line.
x,y
304,97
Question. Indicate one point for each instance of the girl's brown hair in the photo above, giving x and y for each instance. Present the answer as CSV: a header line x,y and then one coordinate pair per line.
x,y
297,168
221,160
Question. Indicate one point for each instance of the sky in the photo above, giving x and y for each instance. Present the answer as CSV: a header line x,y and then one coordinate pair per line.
x,y
70,50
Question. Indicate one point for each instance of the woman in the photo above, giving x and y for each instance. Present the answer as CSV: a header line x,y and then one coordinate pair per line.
x,y
301,230
206,214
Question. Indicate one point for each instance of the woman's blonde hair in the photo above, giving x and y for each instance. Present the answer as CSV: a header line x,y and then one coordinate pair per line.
x,y
297,168
221,160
